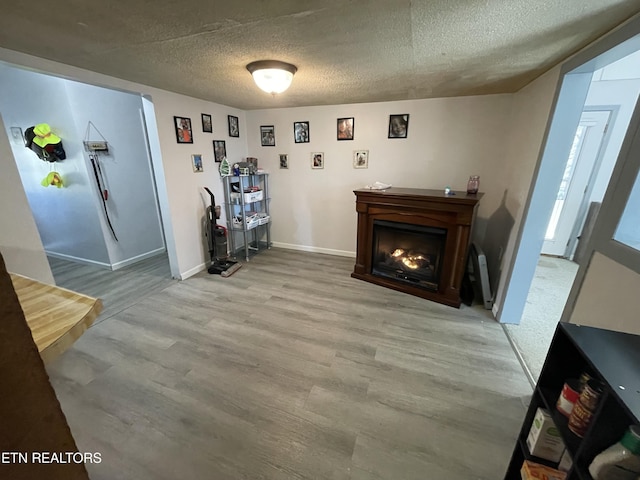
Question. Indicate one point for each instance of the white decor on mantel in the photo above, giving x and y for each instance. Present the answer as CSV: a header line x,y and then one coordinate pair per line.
x,y
378,186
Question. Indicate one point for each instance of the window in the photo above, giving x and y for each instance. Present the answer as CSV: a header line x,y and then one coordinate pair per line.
x,y
628,230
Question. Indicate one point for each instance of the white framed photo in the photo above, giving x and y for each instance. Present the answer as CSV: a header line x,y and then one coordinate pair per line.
x,y
361,159
317,160
196,160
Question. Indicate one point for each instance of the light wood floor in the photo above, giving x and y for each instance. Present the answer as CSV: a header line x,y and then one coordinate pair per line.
x,y
118,289
290,369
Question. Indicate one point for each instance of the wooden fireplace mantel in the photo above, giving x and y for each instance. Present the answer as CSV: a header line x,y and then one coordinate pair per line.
x,y
430,208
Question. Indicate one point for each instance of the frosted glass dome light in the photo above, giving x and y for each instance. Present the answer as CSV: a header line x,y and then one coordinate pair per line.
x,y
272,76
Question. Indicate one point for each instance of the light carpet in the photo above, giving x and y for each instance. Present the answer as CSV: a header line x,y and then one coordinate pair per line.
x,y
546,300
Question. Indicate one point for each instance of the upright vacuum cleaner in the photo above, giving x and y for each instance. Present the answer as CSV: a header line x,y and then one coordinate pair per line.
x,y
217,240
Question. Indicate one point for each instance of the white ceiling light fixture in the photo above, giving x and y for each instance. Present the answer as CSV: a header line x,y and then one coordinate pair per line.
x,y
272,76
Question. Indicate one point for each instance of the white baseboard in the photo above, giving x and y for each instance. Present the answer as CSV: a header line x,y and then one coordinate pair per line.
x,y
84,261
304,248
518,353
138,258
107,266
192,271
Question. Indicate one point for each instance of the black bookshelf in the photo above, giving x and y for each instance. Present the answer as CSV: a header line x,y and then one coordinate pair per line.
x,y
611,357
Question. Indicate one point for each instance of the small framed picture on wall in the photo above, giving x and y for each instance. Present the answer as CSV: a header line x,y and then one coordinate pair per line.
x,y
219,150
361,159
197,163
234,127
267,136
207,125
301,132
284,161
345,128
183,129
398,125
317,160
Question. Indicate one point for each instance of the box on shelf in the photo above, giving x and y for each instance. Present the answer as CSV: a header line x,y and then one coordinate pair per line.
x,y
251,220
534,471
263,218
544,439
249,197
565,462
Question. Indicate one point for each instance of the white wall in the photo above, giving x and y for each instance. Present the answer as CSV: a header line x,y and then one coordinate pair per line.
x,y
623,94
607,303
67,218
71,220
448,140
187,198
132,203
626,68
20,242
523,137
183,197
628,229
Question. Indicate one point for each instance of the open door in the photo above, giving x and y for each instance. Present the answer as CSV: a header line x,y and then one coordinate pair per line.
x,y
576,75
571,201
607,284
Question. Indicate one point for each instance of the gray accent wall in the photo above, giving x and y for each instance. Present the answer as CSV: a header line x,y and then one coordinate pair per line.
x,y
71,220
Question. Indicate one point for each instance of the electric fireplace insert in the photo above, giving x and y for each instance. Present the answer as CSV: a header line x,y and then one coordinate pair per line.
x,y
408,253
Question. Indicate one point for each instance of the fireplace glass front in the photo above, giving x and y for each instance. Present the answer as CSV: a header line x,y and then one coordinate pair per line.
x,y
408,253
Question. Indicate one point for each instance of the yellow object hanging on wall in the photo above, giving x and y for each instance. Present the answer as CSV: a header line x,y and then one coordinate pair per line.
x,y
44,135
53,179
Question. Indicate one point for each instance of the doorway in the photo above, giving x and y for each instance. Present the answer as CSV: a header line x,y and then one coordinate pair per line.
x,y
563,191
572,200
73,222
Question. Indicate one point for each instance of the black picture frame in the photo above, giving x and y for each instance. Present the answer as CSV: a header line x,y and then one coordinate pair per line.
x,y
284,161
345,128
219,150
207,123
301,132
184,134
267,135
234,126
398,125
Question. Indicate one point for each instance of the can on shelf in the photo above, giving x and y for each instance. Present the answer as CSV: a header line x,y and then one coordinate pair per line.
x,y
585,407
584,378
580,419
568,397
590,395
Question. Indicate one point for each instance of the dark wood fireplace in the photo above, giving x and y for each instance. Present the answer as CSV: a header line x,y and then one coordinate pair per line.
x,y
414,240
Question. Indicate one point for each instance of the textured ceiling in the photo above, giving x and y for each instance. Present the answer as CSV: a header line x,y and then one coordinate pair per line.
x,y
346,51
